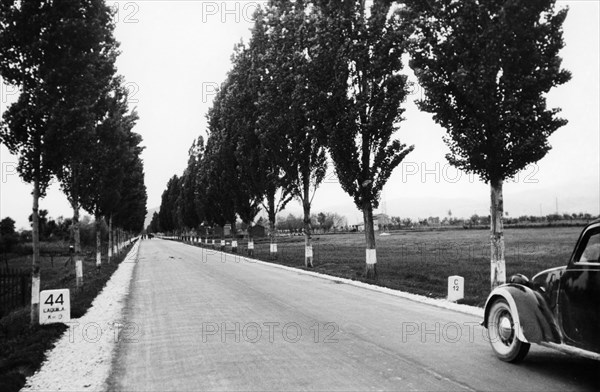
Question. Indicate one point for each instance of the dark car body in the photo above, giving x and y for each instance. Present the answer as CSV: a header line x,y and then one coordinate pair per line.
x,y
558,307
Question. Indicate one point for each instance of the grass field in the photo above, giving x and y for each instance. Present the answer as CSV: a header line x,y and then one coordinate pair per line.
x,y
421,261
22,348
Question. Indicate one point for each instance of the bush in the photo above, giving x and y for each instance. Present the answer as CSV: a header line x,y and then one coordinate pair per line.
x,y
8,242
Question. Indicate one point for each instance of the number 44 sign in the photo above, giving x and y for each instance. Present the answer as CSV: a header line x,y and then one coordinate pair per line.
x,y
55,306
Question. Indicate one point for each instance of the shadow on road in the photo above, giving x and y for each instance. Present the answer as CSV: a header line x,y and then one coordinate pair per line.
x,y
585,372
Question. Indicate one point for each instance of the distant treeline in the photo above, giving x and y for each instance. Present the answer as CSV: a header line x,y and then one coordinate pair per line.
x,y
51,230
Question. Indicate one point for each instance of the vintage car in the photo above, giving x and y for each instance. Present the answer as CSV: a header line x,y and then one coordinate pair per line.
x,y
557,308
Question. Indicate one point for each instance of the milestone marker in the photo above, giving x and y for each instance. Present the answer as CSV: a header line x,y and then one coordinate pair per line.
x,y
456,288
55,306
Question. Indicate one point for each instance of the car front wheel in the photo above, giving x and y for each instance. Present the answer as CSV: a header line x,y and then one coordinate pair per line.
x,y
502,333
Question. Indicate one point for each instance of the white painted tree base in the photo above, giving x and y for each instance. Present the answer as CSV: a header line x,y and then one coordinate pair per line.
x,y
371,256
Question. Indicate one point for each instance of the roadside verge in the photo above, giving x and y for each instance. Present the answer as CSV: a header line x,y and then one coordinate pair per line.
x,y
81,358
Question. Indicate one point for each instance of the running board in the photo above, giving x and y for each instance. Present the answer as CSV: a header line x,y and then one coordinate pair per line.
x,y
571,350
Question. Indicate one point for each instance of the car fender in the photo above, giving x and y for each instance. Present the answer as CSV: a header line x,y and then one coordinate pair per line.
x,y
533,319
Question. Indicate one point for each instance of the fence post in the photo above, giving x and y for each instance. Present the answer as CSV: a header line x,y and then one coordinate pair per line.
x,y
23,290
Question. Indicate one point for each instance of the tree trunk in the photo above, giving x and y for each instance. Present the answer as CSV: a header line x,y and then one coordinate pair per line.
x,y
113,235
110,238
250,240
98,242
272,217
76,227
233,238
498,267
77,241
35,264
371,253
308,250
272,239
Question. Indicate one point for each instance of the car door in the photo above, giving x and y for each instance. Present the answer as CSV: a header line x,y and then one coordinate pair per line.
x,y
579,296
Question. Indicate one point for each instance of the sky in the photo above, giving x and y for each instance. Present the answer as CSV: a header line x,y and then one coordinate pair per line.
x,y
176,53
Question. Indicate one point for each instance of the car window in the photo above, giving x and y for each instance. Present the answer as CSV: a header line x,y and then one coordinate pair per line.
x,y
591,251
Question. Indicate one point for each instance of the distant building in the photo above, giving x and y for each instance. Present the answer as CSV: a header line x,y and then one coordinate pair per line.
x,y
380,222
433,221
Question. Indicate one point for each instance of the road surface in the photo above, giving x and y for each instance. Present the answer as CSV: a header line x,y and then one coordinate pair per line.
x,y
199,320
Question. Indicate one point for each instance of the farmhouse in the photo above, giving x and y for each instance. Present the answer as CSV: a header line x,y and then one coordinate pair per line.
x,y
380,222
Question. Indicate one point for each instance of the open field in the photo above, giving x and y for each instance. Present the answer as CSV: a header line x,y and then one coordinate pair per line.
x,y
22,349
421,261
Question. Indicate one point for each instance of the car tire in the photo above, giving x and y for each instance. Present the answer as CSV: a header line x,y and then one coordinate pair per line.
x,y
502,333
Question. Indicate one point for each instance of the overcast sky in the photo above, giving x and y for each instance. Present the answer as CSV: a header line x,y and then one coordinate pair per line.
x,y
175,53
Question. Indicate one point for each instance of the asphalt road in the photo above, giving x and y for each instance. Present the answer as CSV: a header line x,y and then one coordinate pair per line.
x,y
197,320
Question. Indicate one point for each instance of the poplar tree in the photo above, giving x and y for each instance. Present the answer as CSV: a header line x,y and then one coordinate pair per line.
x,y
363,50
42,43
486,67
290,103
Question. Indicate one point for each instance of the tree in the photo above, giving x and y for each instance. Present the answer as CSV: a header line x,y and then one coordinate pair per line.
x,y
290,223
245,154
154,224
43,223
168,208
8,236
130,213
268,146
26,54
7,226
364,103
329,220
45,46
88,82
485,68
114,158
290,104
192,213
218,167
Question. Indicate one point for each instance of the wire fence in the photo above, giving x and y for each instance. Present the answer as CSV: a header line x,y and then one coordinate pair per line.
x,y
15,289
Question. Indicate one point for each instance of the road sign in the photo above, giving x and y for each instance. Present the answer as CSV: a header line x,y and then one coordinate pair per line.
x,y
55,306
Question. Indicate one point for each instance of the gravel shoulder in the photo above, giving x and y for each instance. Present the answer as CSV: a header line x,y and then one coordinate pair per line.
x,y
81,358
